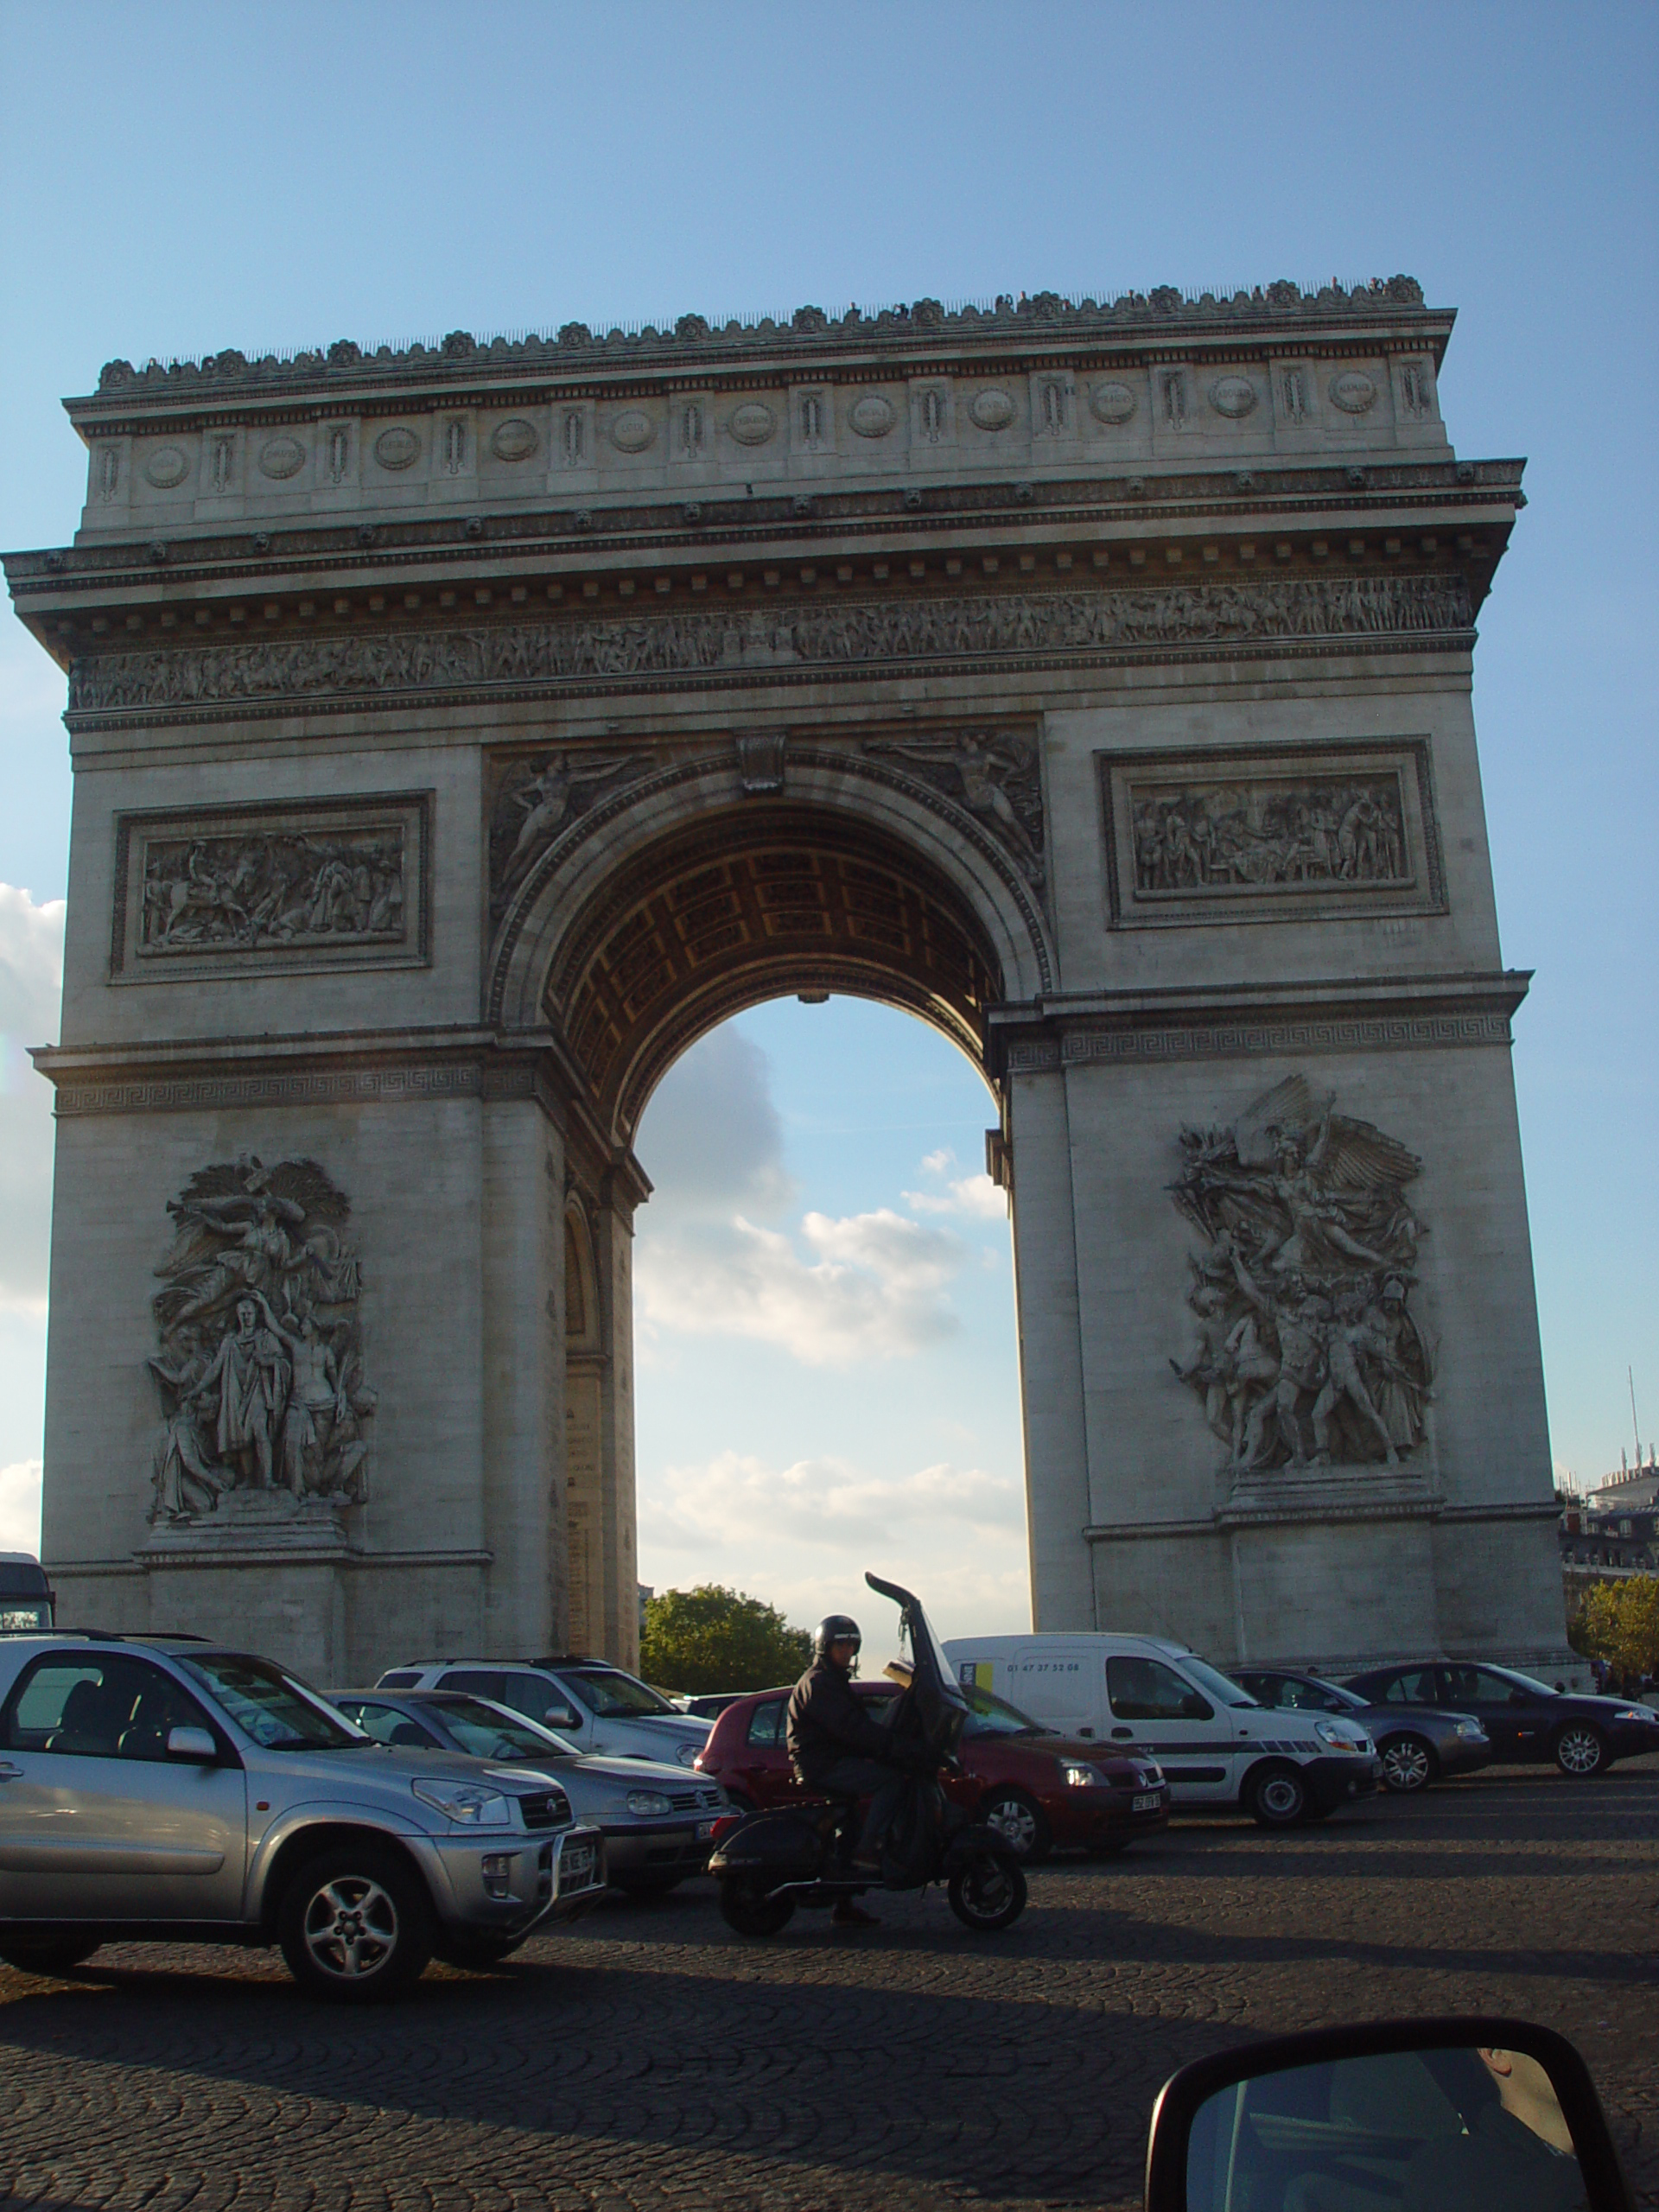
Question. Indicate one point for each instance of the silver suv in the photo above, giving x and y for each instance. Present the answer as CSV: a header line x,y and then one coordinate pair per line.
x,y
160,1789
595,1706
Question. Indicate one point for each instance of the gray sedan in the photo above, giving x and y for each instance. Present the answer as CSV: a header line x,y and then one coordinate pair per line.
x,y
657,1820
1416,1745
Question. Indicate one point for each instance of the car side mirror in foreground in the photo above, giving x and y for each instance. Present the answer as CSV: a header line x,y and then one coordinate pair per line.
x,y
195,1744
1442,2116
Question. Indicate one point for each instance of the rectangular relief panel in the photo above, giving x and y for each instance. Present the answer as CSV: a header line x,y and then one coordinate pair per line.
x,y
270,887
1270,833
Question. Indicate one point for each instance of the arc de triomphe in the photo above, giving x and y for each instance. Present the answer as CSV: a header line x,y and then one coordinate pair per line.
x,y
459,733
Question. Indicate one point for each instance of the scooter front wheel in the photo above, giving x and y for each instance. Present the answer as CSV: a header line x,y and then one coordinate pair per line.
x,y
745,1906
989,1892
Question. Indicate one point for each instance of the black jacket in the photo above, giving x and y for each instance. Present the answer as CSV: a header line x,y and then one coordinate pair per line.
x,y
827,1720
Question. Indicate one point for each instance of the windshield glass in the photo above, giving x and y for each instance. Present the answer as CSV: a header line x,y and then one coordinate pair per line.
x,y
615,1696
992,1717
1221,1686
279,1712
1343,1697
487,1734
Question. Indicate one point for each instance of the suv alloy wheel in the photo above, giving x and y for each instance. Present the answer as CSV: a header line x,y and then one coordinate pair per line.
x,y
354,1925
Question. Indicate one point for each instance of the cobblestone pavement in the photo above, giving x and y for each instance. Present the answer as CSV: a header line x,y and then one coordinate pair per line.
x,y
647,2058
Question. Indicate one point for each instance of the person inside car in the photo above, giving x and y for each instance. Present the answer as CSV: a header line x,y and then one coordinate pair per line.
x,y
837,1748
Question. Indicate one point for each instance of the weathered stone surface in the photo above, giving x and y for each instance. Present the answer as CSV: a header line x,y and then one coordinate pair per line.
x,y
458,735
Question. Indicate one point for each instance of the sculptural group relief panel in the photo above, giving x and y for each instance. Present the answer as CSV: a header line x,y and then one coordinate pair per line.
x,y
810,639
1238,833
259,1367
263,888
1304,1347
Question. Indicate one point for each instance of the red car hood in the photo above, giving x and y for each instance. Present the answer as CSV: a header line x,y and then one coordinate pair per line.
x,y
1120,1761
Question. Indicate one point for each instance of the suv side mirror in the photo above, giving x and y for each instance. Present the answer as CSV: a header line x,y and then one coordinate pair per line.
x,y
1476,2111
560,1716
195,1745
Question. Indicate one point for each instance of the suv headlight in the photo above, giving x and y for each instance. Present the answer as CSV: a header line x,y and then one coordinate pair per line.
x,y
1337,1738
687,1754
1078,1776
466,1803
648,1803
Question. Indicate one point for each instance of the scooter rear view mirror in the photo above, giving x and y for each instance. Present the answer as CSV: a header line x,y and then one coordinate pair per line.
x,y
1443,2115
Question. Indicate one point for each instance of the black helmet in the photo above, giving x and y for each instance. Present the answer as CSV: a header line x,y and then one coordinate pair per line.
x,y
836,1628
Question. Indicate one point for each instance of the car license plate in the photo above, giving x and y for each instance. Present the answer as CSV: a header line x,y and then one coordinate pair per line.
x,y
705,1829
576,1866
1148,1803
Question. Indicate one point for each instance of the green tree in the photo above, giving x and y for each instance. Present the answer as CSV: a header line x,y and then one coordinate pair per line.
x,y
1619,1622
711,1638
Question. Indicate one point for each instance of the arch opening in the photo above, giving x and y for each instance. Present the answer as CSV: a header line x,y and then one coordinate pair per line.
x,y
756,902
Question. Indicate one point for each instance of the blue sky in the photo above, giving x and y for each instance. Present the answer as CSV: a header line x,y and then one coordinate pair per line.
x,y
177,178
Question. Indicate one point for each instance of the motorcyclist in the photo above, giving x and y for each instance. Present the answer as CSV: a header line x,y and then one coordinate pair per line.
x,y
837,1750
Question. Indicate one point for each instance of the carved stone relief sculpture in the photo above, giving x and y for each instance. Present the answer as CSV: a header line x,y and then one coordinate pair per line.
x,y
850,637
537,795
259,1369
995,774
297,884
1259,833
1303,1347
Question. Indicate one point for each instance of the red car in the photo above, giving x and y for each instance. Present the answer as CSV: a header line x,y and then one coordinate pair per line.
x,y
1039,1790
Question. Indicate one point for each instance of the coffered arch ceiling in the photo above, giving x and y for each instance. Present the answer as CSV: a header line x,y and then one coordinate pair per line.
x,y
751,904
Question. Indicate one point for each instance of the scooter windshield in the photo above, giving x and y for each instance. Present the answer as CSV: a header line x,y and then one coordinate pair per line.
x,y
926,1650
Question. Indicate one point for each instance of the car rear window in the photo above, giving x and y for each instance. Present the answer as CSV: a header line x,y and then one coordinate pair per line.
x,y
404,1678
766,1721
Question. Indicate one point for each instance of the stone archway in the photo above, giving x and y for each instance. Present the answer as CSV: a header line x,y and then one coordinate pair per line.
x,y
458,733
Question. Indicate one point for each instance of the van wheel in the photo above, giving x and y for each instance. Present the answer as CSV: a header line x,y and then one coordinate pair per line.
x,y
47,1955
354,1925
1020,1823
1276,1797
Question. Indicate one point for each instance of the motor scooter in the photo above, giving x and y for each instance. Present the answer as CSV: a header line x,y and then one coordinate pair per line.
x,y
767,1864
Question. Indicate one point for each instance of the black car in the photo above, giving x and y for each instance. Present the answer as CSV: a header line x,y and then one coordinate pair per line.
x,y
1526,1719
1416,1747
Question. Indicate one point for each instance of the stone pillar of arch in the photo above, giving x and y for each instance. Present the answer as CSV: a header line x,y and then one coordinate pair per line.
x,y
458,734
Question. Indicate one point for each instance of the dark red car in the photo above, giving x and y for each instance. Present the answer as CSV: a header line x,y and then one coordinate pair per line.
x,y
1039,1790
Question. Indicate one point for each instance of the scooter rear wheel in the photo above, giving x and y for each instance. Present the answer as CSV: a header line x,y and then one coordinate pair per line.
x,y
744,1907
989,1892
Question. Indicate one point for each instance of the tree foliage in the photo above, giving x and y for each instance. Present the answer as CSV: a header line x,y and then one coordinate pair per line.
x,y
711,1638
1619,1622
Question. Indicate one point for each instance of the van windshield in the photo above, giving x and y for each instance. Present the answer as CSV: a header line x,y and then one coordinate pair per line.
x,y
1222,1687
993,1717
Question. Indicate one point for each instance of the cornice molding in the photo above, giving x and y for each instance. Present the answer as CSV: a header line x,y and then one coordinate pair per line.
x,y
1043,321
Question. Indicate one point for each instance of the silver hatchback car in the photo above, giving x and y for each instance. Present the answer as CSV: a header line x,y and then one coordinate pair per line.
x,y
162,1790
657,1820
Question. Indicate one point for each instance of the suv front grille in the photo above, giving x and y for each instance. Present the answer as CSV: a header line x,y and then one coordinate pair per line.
x,y
546,1808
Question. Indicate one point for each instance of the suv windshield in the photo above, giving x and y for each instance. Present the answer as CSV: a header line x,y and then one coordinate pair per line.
x,y
616,1696
275,1710
991,1717
1222,1687
487,1734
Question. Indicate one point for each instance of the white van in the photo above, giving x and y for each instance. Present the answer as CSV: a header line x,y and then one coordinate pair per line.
x,y
1215,1745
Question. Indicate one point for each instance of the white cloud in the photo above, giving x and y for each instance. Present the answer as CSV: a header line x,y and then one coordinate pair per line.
x,y
877,1290
801,1537
31,978
20,1507
974,1196
936,1163
711,1139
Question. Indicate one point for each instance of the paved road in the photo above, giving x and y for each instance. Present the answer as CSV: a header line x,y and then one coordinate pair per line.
x,y
648,2059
